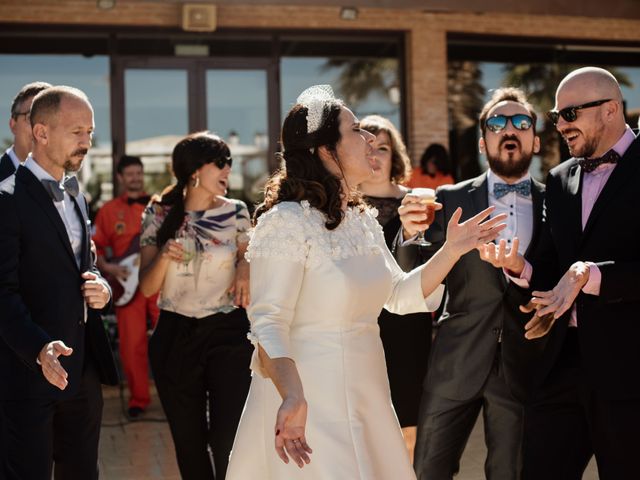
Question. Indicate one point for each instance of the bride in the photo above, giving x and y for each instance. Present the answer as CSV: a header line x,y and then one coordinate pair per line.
x,y
320,274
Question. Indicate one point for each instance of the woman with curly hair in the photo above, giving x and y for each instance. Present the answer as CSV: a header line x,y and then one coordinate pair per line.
x,y
192,251
320,274
406,338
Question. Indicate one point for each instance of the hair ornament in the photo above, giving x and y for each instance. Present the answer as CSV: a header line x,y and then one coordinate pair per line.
x,y
314,100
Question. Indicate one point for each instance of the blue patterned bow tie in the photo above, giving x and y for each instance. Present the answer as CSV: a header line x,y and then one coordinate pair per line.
x,y
521,188
56,190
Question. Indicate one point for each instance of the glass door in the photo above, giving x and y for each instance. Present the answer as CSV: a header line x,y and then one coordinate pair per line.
x,y
159,101
237,110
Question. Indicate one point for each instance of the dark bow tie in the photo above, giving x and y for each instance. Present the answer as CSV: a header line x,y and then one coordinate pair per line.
x,y
56,190
590,164
521,188
141,200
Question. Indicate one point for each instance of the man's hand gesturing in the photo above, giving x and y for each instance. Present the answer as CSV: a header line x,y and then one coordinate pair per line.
x,y
51,368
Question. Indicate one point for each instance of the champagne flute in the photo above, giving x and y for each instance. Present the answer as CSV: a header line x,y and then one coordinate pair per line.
x,y
426,196
188,243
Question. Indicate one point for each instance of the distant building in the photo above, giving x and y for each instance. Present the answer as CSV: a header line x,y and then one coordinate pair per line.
x,y
159,69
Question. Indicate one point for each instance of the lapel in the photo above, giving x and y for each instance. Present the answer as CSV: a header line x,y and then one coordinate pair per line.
x,y
6,167
622,173
41,197
537,197
479,193
574,201
80,204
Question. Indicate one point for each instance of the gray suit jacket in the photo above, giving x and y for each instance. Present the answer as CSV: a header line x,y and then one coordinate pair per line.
x,y
481,307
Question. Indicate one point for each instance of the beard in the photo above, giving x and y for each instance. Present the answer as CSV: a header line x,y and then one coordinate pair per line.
x,y
70,165
517,163
590,143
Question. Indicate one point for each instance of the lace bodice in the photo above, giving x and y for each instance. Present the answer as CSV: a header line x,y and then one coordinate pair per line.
x,y
297,232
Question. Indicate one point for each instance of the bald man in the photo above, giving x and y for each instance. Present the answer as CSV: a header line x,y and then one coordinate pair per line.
x,y
53,349
586,287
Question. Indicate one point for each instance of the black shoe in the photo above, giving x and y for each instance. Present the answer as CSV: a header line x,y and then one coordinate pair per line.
x,y
134,413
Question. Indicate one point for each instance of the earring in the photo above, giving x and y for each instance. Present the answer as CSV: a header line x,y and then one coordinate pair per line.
x,y
196,182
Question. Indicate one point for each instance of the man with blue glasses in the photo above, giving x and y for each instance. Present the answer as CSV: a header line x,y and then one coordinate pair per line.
x,y
585,282
480,359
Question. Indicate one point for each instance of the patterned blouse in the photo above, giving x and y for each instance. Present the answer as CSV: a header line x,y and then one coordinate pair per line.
x,y
217,232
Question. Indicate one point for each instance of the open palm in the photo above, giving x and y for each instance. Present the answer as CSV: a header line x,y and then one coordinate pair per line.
x,y
476,231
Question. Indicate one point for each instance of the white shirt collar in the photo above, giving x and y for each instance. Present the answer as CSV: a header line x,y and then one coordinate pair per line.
x,y
14,158
37,170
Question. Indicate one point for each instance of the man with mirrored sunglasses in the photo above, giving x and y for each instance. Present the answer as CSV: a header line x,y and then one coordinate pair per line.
x,y
585,282
20,127
480,359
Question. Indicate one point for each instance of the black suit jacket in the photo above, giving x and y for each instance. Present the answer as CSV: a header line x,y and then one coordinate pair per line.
x,y
6,167
40,296
481,306
609,323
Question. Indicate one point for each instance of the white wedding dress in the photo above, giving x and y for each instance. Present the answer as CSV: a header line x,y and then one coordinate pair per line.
x,y
315,297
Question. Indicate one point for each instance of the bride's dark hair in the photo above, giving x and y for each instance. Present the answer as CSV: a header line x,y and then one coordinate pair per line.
x,y
302,175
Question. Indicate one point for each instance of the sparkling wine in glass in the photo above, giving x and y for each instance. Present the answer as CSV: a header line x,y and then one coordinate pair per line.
x,y
188,243
426,196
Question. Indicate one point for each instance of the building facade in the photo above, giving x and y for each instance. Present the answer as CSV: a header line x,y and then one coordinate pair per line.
x,y
152,77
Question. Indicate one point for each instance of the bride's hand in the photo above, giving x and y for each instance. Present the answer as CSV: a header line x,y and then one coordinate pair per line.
x,y
290,438
465,236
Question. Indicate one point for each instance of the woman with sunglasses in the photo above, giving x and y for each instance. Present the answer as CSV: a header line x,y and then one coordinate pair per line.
x,y
192,251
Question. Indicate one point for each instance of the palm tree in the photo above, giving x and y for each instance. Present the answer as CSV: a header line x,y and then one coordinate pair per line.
x,y
361,76
465,99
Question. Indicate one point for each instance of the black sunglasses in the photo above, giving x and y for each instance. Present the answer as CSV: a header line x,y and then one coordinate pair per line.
x,y
222,162
497,123
571,113
25,113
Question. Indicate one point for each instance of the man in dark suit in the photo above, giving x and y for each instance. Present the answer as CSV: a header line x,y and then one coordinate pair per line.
x,y
21,129
53,348
585,281
479,358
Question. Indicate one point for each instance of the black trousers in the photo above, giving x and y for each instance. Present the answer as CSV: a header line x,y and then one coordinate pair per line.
x,y
60,434
201,369
444,427
568,422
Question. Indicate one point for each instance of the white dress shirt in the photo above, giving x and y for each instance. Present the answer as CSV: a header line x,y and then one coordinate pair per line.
x,y
66,208
14,158
519,211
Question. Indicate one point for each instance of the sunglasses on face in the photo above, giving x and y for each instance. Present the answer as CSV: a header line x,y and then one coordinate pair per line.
x,y
222,162
571,113
497,123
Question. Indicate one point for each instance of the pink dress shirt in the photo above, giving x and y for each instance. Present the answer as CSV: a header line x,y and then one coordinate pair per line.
x,y
592,185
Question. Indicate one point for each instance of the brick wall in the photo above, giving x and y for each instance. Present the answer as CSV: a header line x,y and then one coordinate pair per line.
x,y
425,34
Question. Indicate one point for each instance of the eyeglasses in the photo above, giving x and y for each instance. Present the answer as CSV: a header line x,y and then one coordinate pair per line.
x,y
497,123
26,115
222,162
571,113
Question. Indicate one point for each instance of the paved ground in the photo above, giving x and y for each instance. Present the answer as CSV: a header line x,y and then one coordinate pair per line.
x,y
143,450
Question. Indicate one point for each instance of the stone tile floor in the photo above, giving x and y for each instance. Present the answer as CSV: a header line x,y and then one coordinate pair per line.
x,y
143,450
